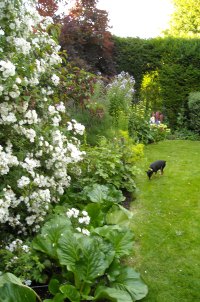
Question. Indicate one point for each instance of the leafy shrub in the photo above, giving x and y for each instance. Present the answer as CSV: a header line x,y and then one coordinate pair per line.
x,y
91,267
185,134
94,114
150,92
112,163
76,85
194,109
120,95
176,60
159,132
139,126
19,258
37,150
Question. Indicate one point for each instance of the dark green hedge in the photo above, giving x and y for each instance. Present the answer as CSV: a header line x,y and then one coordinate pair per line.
x,y
177,62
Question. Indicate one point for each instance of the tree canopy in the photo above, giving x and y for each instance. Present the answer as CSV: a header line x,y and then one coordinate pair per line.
x,y
185,21
86,38
47,7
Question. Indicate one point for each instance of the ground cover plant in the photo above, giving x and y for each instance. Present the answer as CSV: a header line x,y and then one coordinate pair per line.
x,y
167,225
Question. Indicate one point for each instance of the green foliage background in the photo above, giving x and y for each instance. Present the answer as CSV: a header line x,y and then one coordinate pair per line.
x,y
176,62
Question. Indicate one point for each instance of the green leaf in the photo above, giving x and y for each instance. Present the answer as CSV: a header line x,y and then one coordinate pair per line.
x,y
13,290
70,292
101,193
112,294
54,286
121,238
57,298
86,257
98,193
8,277
47,241
115,195
114,270
119,215
129,280
97,216
68,250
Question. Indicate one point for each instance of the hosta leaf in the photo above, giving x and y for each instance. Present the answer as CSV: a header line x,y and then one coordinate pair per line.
x,y
47,241
13,290
9,278
129,280
112,294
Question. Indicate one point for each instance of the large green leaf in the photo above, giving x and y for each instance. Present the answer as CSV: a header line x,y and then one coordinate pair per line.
x,y
115,195
104,193
85,256
97,216
13,290
59,297
119,215
129,280
98,193
112,294
47,241
114,270
53,286
95,259
69,250
9,278
70,292
121,238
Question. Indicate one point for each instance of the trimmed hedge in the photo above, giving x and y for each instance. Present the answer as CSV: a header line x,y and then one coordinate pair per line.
x,y
176,62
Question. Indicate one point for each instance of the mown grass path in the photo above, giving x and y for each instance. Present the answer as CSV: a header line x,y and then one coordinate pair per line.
x,y
167,223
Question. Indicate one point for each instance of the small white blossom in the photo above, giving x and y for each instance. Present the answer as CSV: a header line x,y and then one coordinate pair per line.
x,y
85,232
61,107
72,213
27,282
55,79
23,182
7,68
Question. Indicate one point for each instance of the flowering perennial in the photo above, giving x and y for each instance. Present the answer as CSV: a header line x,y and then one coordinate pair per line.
x,y
120,94
37,149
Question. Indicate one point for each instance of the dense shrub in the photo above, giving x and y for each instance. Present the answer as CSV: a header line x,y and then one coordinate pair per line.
x,y
194,111
176,62
142,130
38,149
86,38
119,93
113,162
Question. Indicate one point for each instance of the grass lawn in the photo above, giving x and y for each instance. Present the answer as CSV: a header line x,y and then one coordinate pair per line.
x,y
167,223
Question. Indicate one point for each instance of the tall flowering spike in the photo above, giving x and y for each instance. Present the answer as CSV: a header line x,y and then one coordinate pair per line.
x,y
36,160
